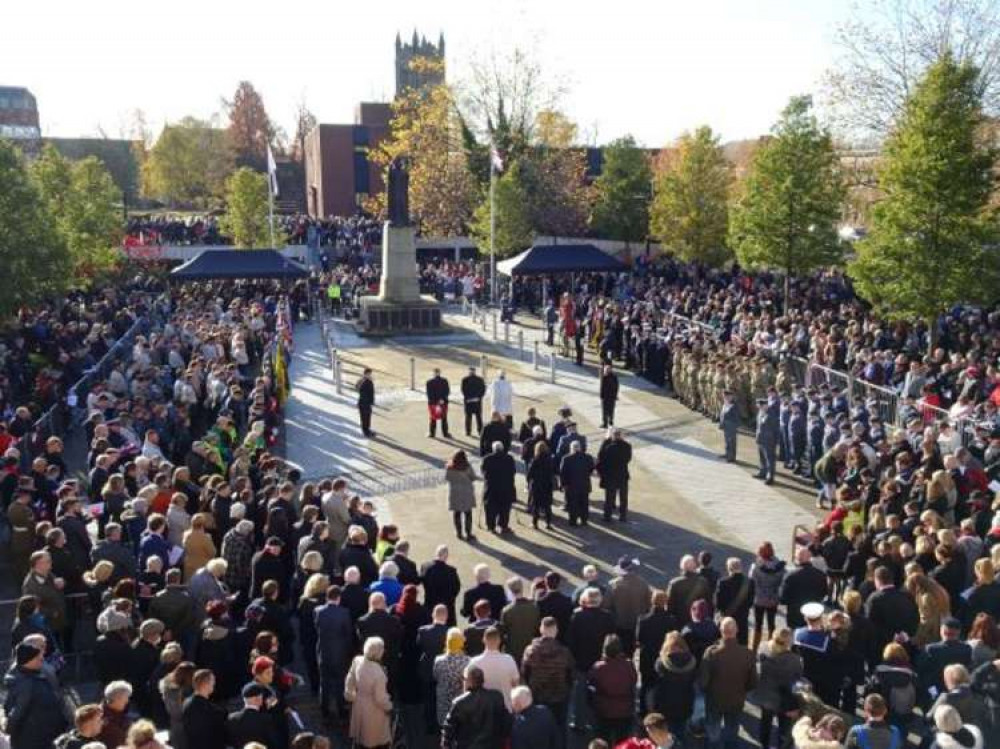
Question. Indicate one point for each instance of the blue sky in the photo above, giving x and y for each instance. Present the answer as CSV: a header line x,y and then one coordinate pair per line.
x,y
653,68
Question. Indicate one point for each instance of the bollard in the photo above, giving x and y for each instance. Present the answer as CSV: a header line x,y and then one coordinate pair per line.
x,y
534,356
339,376
552,368
494,326
413,373
465,306
520,345
484,364
506,331
474,310
482,319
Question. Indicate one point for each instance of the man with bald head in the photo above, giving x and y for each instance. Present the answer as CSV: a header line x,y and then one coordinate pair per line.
x,y
805,584
727,675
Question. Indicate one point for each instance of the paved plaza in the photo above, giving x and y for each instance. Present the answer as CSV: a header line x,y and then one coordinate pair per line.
x,y
683,498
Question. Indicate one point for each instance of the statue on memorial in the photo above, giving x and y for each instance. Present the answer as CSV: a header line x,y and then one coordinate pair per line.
x,y
398,196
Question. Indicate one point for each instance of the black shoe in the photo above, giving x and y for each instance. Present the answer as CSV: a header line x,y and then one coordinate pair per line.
x,y
608,518
548,526
769,482
470,538
759,476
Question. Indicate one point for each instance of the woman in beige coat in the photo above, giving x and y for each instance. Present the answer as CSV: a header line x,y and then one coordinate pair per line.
x,y
198,546
371,706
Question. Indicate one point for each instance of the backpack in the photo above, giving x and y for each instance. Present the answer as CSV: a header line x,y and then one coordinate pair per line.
x,y
864,740
902,699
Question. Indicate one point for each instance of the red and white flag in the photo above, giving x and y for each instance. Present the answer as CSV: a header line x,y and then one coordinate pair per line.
x,y
495,159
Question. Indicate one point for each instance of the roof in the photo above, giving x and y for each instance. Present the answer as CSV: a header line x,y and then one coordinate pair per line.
x,y
238,264
560,258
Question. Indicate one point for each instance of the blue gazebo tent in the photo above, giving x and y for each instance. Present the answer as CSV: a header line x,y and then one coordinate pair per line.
x,y
546,259
233,264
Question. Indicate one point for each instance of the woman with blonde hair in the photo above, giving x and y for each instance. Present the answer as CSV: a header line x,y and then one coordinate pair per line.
x,y
313,596
942,494
448,669
142,735
178,519
672,692
933,603
827,733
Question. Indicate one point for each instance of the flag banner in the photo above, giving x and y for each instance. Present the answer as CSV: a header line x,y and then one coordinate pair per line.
x,y
495,158
272,172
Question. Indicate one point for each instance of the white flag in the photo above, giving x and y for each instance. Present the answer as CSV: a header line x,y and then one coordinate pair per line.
x,y
495,158
272,172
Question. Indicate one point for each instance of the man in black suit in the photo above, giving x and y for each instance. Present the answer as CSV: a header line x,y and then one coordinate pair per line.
x,y
441,583
734,597
556,604
334,647
650,631
496,431
613,458
252,723
574,475
484,590
805,584
378,622
499,492
366,401
609,396
473,390
268,564
890,610
204,721
438,392
408,574
588,627
431,640
939,655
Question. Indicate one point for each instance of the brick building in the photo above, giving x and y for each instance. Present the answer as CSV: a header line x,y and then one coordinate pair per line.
x,y
19,117
338,172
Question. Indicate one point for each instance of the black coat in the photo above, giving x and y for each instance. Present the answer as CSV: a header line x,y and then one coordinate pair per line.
x,y
650,630
473,388
803,585
385,625
334,636
574,473
204,722
488,592
612,463
248,725
266,566
535,728
357,555
430,641
560,607
476,720
438,390
587,630
408,574
366,393
499,471
729,602
441,585
354,598
34,710
113,658
494,431
891,610
609,387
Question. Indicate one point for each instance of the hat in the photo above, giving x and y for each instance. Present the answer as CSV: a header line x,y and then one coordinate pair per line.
x,y
950,622
26,652
253,689
812,611
275,541
261,664
626,563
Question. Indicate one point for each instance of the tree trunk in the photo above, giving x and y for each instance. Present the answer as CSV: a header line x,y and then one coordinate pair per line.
x,y
932,334
786,302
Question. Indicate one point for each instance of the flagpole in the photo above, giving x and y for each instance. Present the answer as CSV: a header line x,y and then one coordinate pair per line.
x,y
493,231
270,213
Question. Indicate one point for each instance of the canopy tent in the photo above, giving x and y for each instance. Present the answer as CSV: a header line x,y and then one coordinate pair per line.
x,y
234,264
560,258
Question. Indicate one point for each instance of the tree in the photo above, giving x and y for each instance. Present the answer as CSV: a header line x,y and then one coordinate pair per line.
x,y
513,217
246,218
426,131
934,235
690,212
559,198
188,165
888,45
83,200
305,121
787,216
621,207
33,253
250,129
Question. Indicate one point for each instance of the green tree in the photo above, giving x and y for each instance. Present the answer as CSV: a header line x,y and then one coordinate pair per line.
x,y
934,235
84,202
188,165
513,216
787,216
34,255
621,193
559,198
246,217
690,211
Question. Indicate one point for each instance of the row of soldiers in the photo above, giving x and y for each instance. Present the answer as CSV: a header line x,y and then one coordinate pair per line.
x,y
703,372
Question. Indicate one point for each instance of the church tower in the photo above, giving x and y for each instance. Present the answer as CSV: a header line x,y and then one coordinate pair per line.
x,y
418,47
